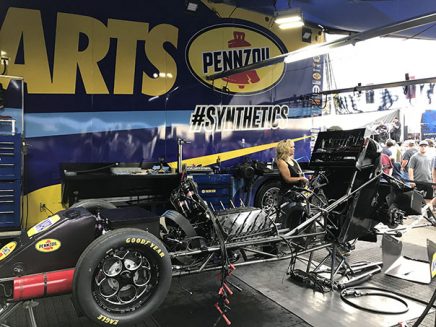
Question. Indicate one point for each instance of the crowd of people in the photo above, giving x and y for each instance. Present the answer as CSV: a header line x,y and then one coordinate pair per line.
x,y
413,162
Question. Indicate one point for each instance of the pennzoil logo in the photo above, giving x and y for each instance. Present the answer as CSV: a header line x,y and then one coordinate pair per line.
x,y
48,245
7,250
224,47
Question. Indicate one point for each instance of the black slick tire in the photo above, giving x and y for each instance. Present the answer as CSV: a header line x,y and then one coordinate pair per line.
x,y
85,288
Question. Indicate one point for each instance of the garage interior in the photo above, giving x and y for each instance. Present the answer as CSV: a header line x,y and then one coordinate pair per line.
x,y
140,177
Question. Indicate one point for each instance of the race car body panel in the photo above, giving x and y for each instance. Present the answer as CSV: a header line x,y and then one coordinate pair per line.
x,y
55,243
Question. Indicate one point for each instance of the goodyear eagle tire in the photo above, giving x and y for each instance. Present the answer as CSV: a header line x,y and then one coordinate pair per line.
x,y
122,277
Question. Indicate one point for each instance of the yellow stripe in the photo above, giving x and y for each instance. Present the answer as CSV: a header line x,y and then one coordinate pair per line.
x,y
223,156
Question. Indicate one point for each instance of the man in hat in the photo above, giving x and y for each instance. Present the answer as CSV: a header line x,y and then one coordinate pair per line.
x,y
420,170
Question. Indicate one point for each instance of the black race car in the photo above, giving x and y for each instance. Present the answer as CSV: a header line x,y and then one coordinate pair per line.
x,y
118,262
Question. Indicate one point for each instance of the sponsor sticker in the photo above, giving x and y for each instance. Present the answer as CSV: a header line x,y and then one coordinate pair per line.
x,y
209,191
7,249
48,245
43,225
222,48
316,76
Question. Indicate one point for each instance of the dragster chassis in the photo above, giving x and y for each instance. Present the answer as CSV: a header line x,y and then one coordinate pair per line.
x,y
123,275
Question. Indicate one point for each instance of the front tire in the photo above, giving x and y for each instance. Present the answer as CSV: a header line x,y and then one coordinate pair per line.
x,y
122,277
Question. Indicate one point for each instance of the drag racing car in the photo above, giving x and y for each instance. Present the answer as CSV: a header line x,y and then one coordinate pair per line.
x,y
118,262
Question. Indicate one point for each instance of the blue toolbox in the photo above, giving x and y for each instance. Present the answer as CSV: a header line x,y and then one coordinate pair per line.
x,y
10,181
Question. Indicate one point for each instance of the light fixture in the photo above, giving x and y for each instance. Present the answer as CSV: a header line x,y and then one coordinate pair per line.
x,y
307,52
306,35
191,5
291,18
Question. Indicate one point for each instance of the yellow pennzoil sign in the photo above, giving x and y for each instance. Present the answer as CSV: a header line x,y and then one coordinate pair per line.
x,y
7,249
48,245
224,47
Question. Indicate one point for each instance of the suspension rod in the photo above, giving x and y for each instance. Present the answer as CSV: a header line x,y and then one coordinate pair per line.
x,y
289,256
242,244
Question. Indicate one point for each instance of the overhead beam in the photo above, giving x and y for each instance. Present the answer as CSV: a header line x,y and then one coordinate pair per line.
x,y
319,49
360,88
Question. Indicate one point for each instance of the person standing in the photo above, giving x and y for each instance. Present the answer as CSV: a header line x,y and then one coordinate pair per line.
x,y
396,130
386,163
431,148
433,202
387,149
420,170
410,151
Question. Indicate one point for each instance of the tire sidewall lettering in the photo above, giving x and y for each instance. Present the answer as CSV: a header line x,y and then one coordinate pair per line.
x,y
107,320
145,242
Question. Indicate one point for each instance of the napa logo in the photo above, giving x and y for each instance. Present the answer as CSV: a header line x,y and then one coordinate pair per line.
x,y
7,250
224,47
48,245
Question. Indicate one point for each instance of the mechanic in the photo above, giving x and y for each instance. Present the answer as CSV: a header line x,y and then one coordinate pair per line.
x,y
291,175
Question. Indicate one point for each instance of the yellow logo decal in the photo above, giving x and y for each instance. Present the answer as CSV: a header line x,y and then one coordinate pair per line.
x,y
433,265
137,240
7,250
107,320
48,245
208,191
224,47
317,76
43,225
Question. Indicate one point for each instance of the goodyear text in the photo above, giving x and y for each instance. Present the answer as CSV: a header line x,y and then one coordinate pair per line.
x,y
133,240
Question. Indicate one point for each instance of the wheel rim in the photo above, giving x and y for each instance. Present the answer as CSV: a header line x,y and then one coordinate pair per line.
x,y
270,199
124,279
